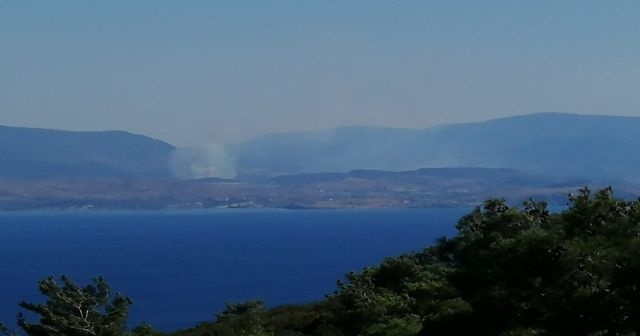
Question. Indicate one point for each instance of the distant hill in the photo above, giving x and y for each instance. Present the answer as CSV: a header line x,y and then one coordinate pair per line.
x,y
28,153
565,145
602,149
423,188
498,177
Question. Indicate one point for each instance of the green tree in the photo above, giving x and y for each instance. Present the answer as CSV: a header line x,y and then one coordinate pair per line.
x,y
242,309
71,310
510,271
144,329
244,318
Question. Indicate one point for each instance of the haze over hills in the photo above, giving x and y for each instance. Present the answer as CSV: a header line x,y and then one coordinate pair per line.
x,y
555,144
567,145
30,153
544,155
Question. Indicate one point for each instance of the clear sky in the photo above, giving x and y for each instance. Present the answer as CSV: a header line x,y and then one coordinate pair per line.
x,y
193,72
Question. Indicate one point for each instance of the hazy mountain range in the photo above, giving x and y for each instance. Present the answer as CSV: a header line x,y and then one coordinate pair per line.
x,y
566,145
545,155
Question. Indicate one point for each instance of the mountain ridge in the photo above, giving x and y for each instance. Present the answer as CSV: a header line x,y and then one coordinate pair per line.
x,y
599,147
37,153
542,143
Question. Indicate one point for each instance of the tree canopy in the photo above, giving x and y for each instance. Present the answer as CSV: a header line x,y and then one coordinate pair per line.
x,y
71,310
510,271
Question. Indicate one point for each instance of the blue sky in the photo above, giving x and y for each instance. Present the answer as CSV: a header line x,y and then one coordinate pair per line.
x,y
193,72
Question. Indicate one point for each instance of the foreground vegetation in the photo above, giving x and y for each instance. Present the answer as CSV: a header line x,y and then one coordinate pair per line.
x,y
508,271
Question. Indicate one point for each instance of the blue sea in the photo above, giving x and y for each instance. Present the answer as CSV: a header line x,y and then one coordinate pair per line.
x,y
180,267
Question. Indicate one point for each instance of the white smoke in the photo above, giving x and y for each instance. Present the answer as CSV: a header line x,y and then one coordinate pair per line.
x,y
201,162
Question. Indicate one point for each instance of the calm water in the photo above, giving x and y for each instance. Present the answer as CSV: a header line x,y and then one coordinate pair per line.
x,y
181,267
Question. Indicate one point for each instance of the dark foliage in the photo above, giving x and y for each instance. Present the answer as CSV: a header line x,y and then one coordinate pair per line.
x,y
71,310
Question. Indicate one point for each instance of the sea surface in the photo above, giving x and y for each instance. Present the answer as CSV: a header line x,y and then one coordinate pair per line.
x,y
180,267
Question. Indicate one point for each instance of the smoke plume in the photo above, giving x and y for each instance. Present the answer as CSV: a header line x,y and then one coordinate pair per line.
x,y
202,162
